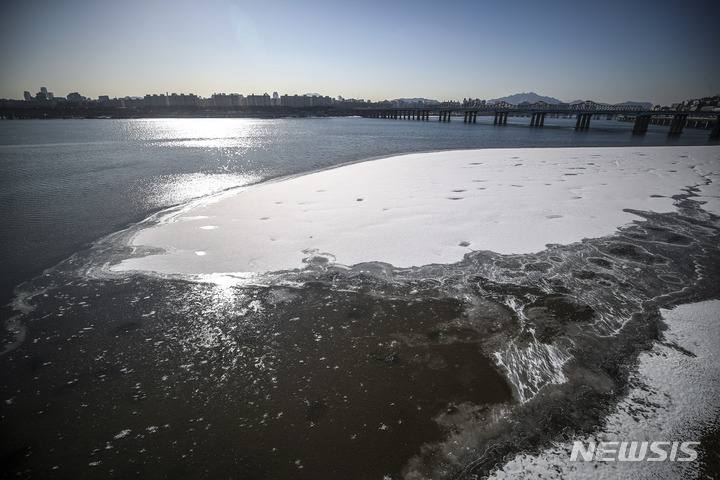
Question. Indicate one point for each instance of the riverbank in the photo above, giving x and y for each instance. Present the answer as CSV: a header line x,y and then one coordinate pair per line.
x,y
23,112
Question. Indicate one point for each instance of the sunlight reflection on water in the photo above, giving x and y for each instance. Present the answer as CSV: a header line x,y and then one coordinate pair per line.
x,y
174,189
196,129
231,137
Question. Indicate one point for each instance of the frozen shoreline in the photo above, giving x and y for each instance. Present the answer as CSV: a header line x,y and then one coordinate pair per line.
x,y
420,209
673,397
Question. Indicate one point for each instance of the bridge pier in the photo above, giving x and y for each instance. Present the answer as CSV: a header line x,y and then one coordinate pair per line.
x,y
641,124
715,133
537,120
500,118
678,122
583,121
470,117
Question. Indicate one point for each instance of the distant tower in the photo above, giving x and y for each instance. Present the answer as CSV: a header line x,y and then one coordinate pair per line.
x,y
44,94
275,99
28,97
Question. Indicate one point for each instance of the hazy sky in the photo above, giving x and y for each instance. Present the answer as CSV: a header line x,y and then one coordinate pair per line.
x,y
660,51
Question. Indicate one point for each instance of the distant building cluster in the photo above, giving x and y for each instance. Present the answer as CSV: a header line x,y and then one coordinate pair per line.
x,y
473,102
705,104
42,96
223,100
228,100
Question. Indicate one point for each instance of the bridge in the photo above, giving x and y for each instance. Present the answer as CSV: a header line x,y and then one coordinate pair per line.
x,y
583,111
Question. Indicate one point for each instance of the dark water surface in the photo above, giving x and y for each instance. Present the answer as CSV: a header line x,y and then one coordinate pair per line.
x,y
363,372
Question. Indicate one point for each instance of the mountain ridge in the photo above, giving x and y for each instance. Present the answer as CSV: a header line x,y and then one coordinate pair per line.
x,y
532,97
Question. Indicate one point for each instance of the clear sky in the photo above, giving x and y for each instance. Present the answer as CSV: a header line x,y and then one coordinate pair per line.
x,y
659,51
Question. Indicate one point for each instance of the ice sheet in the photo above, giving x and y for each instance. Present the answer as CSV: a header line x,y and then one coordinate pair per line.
x,y
420,209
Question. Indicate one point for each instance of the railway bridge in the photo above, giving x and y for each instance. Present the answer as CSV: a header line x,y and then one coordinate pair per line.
x,y
538,111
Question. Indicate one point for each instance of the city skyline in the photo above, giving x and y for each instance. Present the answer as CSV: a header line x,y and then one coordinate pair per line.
x,y
50,99
659,52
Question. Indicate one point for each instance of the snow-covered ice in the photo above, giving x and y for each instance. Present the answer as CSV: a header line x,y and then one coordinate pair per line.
x,y
426,208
